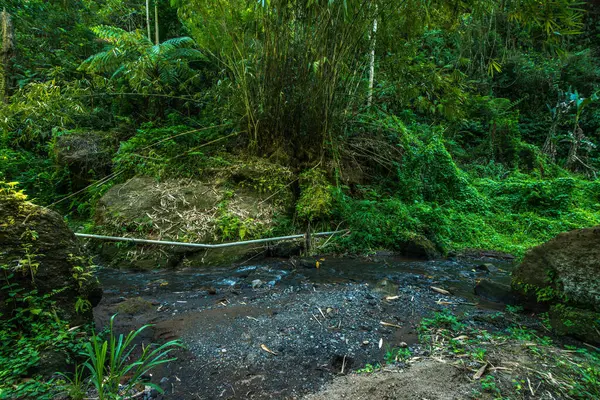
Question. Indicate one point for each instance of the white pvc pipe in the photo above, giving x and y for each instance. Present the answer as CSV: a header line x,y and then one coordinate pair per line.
x,y
200,245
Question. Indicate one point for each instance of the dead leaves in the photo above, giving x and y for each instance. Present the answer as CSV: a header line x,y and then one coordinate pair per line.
x,y
480,372
265,348
441,291
390,324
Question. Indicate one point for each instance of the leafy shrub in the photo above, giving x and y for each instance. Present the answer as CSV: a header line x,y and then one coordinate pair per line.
x,y
39,178
31,330
36,110
316,198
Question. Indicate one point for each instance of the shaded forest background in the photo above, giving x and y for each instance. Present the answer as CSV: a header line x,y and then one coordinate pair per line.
x,y
456,123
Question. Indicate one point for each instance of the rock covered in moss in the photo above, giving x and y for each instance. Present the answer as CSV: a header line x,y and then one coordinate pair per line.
x,y
418,246
576,322
135,305
186,211
86,154
41,253
565,269
564,273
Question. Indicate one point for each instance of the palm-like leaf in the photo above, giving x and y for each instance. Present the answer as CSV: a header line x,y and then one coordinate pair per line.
x,y
143,64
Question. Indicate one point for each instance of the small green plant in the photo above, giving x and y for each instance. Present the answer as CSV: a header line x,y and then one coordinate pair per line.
x,y
108,361
28,263
82,270
444,320
75,387
82,305
479,354
514,309
396,355
488,384
368,369
456,346
518,385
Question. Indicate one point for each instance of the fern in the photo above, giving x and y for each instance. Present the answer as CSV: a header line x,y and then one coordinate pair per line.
x,y
132,56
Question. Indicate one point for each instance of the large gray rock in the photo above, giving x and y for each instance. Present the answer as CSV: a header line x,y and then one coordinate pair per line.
x,y
564,274
41,253
86,154
565,269
186,211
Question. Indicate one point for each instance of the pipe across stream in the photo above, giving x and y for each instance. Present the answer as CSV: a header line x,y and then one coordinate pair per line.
x,y
202,245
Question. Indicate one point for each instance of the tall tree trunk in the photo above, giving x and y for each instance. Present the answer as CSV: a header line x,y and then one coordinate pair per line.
x,y
157,40
148,19
372,60
7,54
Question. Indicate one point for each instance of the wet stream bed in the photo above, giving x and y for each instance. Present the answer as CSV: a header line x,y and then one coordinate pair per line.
x,y
282,328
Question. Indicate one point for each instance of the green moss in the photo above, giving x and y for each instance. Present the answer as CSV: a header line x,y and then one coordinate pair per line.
x,y
576,322
316,198
134,305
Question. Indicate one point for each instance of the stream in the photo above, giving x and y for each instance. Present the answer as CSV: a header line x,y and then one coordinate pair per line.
x,y
283,328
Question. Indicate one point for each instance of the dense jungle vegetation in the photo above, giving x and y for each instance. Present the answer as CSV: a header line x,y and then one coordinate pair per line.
x,y
467,123
452,124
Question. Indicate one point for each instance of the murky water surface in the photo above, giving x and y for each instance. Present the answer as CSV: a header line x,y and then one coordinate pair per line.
x,y
456,276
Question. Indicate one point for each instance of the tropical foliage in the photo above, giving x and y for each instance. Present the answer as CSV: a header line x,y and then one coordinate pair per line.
x,y
458,124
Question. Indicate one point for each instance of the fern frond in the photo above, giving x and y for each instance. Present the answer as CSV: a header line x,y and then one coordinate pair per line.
x,y
187,54
111,34
180,42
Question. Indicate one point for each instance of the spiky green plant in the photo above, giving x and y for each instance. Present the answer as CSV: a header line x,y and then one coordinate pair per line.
x,y
110,361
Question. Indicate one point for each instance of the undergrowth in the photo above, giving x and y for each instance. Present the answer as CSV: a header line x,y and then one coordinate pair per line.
x,y
514,363
432,196
32,332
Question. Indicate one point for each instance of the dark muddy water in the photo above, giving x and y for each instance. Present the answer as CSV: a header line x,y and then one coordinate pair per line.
x,y
458,277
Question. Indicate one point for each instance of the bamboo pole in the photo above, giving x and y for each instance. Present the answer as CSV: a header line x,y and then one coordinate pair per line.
x,y
156,33
148,20
7,53
372,60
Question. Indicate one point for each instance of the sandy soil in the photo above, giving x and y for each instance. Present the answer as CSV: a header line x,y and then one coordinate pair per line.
x,y
426,380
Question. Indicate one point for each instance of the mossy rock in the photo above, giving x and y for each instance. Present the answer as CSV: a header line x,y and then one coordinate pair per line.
x,y
87,154
496,292
419,246
575,322
135,305
564,270
127,256
183,211
40,252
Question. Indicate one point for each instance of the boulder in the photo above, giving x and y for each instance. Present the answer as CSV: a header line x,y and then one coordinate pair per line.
x,y
419,246
182,210
41,253
86,154
564,275
135,305
496,292
565,269
576,322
